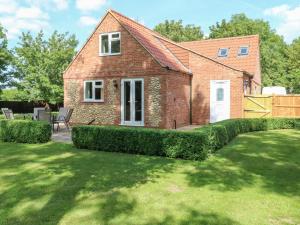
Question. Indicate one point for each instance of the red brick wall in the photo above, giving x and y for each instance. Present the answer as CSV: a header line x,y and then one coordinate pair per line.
x,y
205,70
177,100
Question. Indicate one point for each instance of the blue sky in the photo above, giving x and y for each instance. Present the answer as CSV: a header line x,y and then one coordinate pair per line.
x,y
80,16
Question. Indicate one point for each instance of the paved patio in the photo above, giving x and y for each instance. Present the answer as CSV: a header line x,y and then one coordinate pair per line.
x,y
63,135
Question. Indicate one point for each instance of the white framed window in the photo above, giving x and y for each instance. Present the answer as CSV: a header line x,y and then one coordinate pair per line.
x,y
223,52
244,50
93,91
110,44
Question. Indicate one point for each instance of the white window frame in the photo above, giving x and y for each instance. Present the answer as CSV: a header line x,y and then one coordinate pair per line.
x,y
220,50
132,121
240,51
110,39
94,86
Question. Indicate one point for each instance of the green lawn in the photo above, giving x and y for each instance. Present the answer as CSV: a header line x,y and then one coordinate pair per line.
x,y
254,180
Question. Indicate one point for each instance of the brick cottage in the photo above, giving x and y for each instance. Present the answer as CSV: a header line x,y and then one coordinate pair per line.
x,y
127,74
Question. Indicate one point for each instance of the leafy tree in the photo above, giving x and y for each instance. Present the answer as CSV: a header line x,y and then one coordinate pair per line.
x,y
175,31
273,48
294,66
5,58
39,65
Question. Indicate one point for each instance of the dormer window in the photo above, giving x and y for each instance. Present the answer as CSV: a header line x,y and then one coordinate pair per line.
x,y
110,44
223,52
243,50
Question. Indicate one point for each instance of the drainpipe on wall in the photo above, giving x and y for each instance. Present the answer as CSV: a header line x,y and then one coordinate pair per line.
x,y
191,100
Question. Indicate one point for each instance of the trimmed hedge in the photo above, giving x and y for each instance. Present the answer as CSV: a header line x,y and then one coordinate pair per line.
x,y
195,145
221,133
174,144
25,131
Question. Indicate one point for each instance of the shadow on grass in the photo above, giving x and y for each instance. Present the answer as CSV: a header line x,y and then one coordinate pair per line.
x,y
272,158
194,217
59,175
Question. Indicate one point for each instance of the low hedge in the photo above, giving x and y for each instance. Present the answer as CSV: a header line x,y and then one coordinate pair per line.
x,y
195,145
25,131
221,133
174,144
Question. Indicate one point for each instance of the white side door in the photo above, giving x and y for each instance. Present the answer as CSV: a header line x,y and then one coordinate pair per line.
x,y
219,100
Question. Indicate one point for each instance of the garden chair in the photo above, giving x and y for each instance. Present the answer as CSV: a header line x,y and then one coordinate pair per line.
x,y
44,115
9,115
35,112
64,116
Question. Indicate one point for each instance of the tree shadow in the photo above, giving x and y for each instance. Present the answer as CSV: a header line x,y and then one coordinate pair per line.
x,y
194,217
271,158
59,175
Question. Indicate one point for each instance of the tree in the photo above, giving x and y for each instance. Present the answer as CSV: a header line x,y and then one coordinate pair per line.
x,y
5,59
175,31
39,64
294,66
272,46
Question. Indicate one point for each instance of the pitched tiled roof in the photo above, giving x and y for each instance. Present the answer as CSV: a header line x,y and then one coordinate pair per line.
x,y
147,38
249,63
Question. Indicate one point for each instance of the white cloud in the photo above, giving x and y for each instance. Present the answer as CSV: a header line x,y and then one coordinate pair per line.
x,y
87,21
289,26
16,25
22,18
8,6
90,5
61,4
31,13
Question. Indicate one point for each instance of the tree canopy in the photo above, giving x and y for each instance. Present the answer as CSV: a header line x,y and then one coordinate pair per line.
x,y
39,63
177,32
5,58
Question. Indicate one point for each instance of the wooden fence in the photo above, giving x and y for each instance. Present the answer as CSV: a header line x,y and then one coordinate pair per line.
x,y
258,106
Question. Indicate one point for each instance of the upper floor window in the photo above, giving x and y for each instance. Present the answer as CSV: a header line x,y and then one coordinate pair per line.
x,y
223,52
243,50
93,91
110,43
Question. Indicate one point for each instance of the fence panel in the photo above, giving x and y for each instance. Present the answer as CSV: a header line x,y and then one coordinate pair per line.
x,y
257,106
286,106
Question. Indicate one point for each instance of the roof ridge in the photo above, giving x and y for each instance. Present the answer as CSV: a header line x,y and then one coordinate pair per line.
x,y
221,39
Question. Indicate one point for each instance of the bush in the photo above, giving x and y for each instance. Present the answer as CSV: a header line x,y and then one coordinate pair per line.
x,y
223,132
174,144
24,131
196,145
297,125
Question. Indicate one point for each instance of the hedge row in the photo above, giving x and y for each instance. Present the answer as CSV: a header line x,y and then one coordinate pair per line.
x,y
186,145
223,132
25,131
195,145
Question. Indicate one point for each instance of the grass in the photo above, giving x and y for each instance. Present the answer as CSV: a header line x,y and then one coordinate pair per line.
x,y
253,180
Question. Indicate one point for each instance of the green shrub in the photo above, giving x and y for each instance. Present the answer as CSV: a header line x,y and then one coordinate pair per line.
x,y
24,131
221,133
297,125
174,144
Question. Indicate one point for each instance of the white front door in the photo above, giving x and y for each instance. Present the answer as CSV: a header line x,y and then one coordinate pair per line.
x,y
219,100
132,102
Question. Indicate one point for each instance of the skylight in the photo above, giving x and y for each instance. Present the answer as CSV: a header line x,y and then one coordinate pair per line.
x,y
243,50
223,52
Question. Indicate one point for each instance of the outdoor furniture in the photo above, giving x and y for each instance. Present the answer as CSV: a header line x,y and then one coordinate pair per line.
x,y
8,114
64,116
3,109
35,112
44,115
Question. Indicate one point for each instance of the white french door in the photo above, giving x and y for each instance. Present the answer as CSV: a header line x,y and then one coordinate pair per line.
x,y
219,100
132,102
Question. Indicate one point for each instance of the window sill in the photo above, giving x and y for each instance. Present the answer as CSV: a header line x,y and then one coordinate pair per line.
x,y
113,54
93,101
